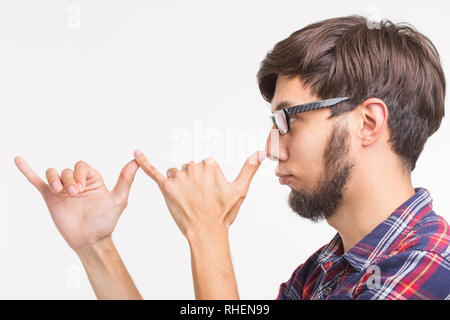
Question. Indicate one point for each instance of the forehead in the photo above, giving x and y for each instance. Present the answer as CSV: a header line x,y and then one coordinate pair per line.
x,y
290,92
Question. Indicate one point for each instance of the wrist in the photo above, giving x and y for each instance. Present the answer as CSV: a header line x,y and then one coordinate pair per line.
x,y
212,268
106,272
209,235
211,246
96,250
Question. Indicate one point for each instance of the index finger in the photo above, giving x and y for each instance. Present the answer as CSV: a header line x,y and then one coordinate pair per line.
x,y
29,173
249,169
150,170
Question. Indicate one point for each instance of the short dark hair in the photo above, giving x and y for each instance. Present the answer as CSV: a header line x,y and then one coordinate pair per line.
x,y
346,57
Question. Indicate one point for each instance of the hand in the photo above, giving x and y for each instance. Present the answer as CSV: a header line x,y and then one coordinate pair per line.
x,y
199,197
83,209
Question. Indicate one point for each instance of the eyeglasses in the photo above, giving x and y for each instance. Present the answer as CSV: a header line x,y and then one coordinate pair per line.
x,y
280,118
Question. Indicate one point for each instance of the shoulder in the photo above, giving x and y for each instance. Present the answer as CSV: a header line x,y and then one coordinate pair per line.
x,y
431,234
413,274
418,267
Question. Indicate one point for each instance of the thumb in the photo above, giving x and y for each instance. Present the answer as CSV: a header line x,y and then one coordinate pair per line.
x,y
126,177
245,176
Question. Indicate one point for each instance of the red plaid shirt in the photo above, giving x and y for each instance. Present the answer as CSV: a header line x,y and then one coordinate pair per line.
x,y
407,256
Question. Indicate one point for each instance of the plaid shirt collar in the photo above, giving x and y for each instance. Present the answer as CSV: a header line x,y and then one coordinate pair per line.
x,y
385,237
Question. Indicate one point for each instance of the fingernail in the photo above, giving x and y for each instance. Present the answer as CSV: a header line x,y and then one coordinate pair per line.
x,y
137,153
72,190
261,155
56,186
80,186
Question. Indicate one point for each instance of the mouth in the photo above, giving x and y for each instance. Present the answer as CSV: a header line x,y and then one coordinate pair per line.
x,y
283,178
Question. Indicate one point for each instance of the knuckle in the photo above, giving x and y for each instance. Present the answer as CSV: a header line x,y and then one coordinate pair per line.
x,y
189,166
166,185
210,161
149,171
144,163
79,163
252,169
173,172
125,176
121,202
241,193
66,171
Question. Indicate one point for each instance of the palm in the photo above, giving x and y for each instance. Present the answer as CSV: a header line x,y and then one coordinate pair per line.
x,y
89,216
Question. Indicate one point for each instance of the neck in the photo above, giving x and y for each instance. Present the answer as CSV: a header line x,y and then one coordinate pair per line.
x,y
369,198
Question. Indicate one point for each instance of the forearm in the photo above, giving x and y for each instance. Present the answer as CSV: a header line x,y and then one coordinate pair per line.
x,y
212,269
106,272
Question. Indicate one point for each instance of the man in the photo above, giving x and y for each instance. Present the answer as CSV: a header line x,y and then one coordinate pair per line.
x,y
352,107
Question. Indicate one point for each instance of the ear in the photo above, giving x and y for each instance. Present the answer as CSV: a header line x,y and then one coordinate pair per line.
x,y
372,116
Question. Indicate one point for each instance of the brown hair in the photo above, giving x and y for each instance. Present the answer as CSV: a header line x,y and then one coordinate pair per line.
x,y
345,57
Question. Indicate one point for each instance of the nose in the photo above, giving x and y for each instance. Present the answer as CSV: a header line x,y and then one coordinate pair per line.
x,y
274,148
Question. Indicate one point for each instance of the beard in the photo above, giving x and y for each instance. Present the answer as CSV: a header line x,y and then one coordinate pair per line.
x,y
327,194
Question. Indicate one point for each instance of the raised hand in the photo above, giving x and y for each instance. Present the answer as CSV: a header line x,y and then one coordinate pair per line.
x,y
83,209
198,196
204,204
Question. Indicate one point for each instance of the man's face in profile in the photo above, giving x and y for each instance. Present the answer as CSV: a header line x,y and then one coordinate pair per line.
x,y
314,156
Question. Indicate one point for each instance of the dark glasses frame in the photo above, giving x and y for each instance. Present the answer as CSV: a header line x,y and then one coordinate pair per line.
x,y
280,118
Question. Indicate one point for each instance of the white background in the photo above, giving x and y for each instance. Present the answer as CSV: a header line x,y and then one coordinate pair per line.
x,y
154,75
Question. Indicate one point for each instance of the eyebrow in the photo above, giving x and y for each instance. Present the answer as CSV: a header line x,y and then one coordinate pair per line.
x,y
283,105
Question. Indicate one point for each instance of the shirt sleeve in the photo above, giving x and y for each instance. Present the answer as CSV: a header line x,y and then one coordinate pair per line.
x,y
285,292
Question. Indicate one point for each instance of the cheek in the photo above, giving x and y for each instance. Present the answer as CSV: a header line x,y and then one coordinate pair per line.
x,y
306,153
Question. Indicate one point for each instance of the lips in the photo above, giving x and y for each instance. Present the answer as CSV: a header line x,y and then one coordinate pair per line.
x,y
283,178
